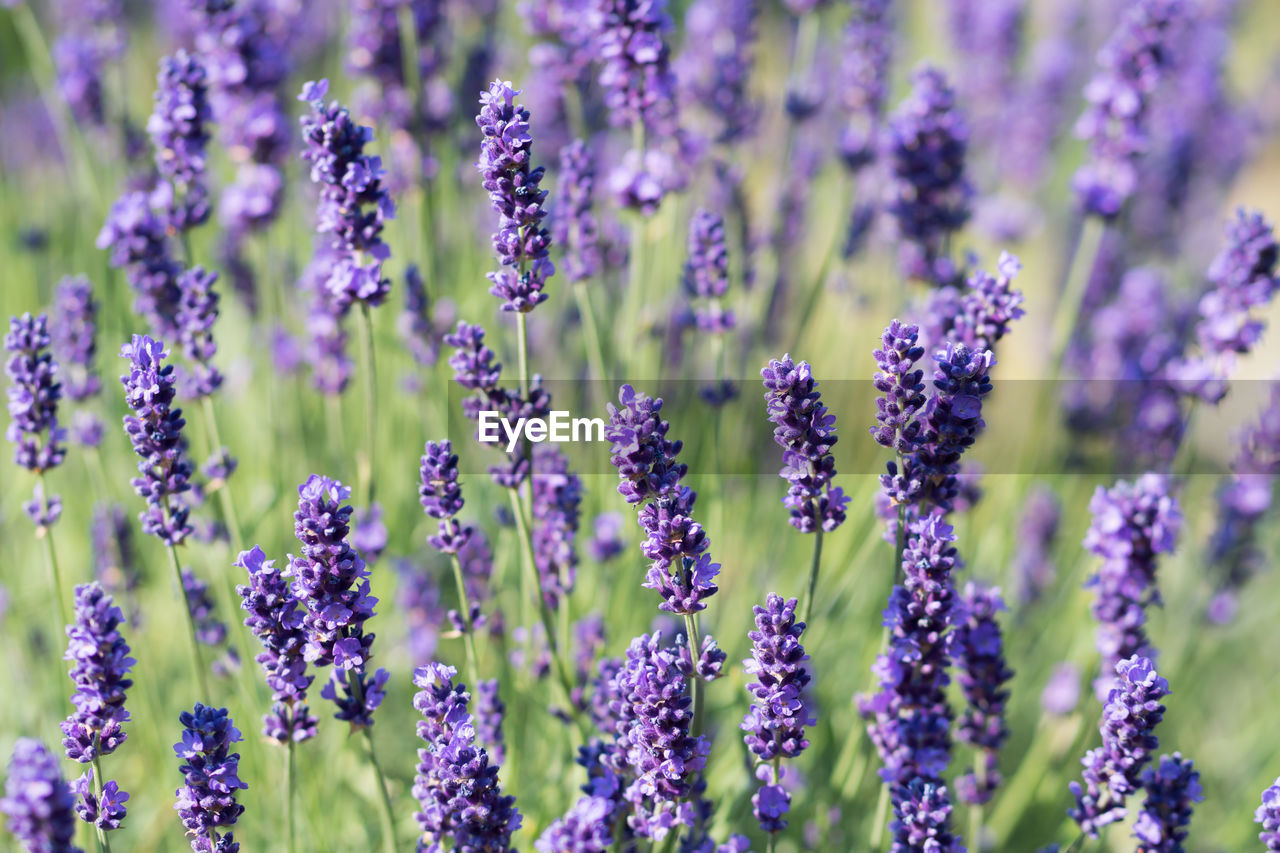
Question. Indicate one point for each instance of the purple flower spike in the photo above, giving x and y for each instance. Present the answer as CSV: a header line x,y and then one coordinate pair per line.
x,y
557,496
489,713
635,67
78,64
34,392
977,649
100,672
520,241
1130,66
575,227
921,820
775,725
1033,568
1268,814
73,329
275,618
706,273
864,80
179,133
332,582
197,312
37,801
1113,771
1132,524
717,75
654,716
354,204
155,429
441,496
1172,786
138,241
206,802
901,387
106,812
456,785
806,433
928,140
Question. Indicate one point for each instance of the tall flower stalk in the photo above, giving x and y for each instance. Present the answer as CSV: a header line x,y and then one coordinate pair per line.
x,y
37,801
155,430
206,802
34,392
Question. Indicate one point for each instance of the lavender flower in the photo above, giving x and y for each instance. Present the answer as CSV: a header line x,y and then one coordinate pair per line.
x,y
901,387
1061,693
921,820
206,802
775,727
100,674
1171,786
178,129
197,312
106,811
909,718
415,324
78,66
354,204
977,650
1268,814
646,463
586,828
1033,568
209,629
1132,524
575,227
332,583
1130,66
34,392
635,67
1113,771
864,73
156,433
138,241
326,352
520,241
988,37
557,495
706,272
418,598
1243,280
441,496
806,433
606,539
456,785
715,67
275,618
37,800
927,141
654,716
72,331
489,713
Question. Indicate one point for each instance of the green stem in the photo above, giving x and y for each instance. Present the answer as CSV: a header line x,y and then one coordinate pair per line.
x,y
385,813
370,403
1083,260
103,843
468,636
807,608
224,491
881,819
291,844
51,555
695,681
595,352
975,811
522,353
197,666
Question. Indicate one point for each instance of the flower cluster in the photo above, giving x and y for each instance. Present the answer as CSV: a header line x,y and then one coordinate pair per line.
x,y
901,387
635,64
1033,568
138,241
927,142
441,496
456,784
332,583
1132,524
1268,814
1115,120
489,713
1113,771
775,725
806,433
988,307
922,820
1242,280
557,496
275,618
654,714
210,630
179,132
513,186
206,802
78,64
354,204
650,475
977,650
717,75
575,226
72,331
155,429
197,312
37,801
864,80
706,272
34,392
1171,786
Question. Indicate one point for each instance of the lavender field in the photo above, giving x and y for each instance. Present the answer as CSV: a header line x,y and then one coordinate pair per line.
x,y
424,423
